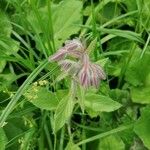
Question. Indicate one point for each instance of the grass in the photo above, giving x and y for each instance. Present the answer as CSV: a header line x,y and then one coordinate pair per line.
x,y
43,107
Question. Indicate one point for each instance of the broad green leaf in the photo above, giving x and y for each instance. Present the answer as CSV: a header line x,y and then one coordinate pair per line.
x,y
6,80
109,12
119,95
66,20
141,95
13,128
147,81
66,17
63,112
72,146
138,68
5,26
8,46
141,127
120,43
145,11
131,4
3,139
112,142
2,65
42,98
100,103
61,93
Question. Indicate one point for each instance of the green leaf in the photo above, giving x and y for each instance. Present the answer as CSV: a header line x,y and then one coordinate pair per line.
x,y
110,11
20,91
66,18
141,127
42,98
111,142
63,112
15,129
119,95
131,4
91,47
2,65
102,62
138,69
5,26
3,139
8,46
120,43
6,80
141,95
123,33
72,146
100,103
145,10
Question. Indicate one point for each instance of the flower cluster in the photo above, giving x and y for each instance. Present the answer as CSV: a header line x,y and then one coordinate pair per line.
x,y
87,73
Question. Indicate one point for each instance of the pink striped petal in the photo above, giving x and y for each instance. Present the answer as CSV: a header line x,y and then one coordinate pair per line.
x,y
59,55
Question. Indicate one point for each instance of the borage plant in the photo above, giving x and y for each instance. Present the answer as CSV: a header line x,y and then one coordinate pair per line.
x,y
74,62
71,108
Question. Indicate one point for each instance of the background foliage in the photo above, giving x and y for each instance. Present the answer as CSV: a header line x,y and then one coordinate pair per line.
x,y
36,104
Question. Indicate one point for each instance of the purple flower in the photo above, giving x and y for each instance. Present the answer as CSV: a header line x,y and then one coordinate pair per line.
x,y
97,74
72,48
90,74
87,73
59,55
84,73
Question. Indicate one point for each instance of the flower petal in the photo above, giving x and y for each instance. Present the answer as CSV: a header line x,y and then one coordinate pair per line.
x,y
74,44
59,55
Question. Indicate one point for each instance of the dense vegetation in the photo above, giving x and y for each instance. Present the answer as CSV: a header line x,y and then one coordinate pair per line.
x,y
44,106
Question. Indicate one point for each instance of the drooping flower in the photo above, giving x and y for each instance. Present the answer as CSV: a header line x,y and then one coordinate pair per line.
x,y
90,73
87,73
84,73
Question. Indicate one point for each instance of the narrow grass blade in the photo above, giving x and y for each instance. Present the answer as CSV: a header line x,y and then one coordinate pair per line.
x,y
123,33
113,131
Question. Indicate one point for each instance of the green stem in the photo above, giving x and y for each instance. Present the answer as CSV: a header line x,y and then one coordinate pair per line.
x,y
48,137
62,139
55,138
83,133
